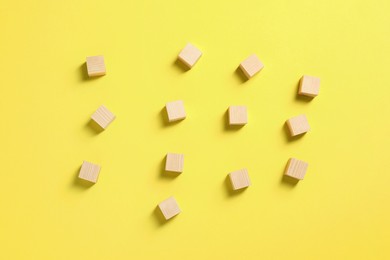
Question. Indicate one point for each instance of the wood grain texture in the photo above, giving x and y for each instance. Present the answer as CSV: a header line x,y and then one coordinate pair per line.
x,y
189,55
174,162
298,125
309,86
239,179
296,168
89,172
238,115
103,117
96,66
175,110
251,65
169,208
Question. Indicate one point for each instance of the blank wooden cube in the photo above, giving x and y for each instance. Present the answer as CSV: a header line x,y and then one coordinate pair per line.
x,y
238,115
298,125
239,179
309,86
251,66
96,66
175,110
89,172
174,162
169,208
103,117
189,55
296,169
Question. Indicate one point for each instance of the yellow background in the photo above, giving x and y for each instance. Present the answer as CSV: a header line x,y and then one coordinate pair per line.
x,y
341,209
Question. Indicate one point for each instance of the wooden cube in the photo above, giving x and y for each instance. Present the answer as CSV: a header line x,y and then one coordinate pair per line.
x,y
96,66
189,55
175,111
238,115
169,208
239,179
89,172
103,117
174,162
296,169
298,125
309,86
251,66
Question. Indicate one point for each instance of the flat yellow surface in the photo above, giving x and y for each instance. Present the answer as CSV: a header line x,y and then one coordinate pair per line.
x,y
339,211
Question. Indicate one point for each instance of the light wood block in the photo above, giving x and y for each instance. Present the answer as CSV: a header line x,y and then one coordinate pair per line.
x,y
89,172
239,179
251,65
309,86
169,208
96,66
103,117
298,125
175,110
238,115
296,169
174,162
189,55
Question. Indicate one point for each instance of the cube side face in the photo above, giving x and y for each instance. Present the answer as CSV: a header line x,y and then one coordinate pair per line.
x,y
251,65
190,55
174,162
169,208
96,66
89,172
238,115
175,111
103,117
296,169
309,86
298,125
239,179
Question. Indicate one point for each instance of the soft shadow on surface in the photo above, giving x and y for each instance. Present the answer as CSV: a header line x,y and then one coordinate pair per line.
x,y
301,98
226,125
166,174
288,136
158,216
94,127
240,75
179,65
80,183
229,188
164,118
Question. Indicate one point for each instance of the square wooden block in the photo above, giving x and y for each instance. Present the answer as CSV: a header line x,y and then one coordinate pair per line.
x,y
298,125
175,110
174,162
296,169
96,66
103,117
238,115
169,208
251,66
89,172
239,179
309,86
189,55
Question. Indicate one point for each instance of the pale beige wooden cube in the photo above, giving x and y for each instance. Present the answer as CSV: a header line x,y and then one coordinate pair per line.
x,y
309,86
174,162
189,55
239,179
296,169
238,115
89,172
169,208
103,117
96,66
251,65
298,125
175,110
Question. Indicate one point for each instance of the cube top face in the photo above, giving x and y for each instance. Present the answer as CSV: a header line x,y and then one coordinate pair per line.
x,y
96,66
296,169
189,55
175,111
238,115
103,117
89,172
239,179
174,162
309,86
169,208
251,65
298,125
